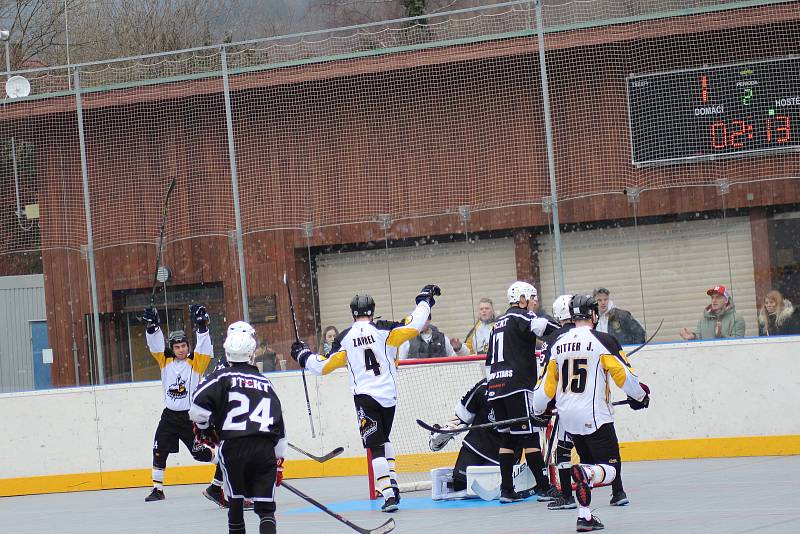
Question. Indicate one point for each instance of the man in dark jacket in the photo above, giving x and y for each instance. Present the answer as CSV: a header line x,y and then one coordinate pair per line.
x,y
431,343
616,321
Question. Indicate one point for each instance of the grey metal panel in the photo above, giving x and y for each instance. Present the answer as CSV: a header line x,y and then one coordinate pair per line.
x,y
21,301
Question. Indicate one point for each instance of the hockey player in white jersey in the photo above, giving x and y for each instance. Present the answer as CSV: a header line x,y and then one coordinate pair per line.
x,y
584,363
181,369
369,350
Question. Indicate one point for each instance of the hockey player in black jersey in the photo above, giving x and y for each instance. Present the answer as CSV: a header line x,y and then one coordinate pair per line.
x,y
584,363
214,490
181,369
239,406
512,375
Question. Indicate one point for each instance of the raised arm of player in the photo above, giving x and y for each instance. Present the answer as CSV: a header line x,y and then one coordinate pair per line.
x,y
155,339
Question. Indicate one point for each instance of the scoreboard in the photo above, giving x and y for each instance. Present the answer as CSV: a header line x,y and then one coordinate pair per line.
x,y
715,111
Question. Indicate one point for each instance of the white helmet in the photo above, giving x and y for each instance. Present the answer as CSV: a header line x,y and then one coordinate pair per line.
x,y
239,347
241,326
518,289
561,308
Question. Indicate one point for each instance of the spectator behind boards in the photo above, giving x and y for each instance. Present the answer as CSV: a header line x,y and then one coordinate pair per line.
x,y
477,339
430,343
778,317
616,321
719,319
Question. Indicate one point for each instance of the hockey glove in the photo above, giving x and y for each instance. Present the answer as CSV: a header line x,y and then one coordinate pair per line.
x,y
151,320
300,353
438,440
200,317
279,475
427,293
642,404
206,436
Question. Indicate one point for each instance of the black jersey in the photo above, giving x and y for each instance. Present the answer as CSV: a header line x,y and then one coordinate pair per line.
x,y
511,357
238,401
551,339
473,408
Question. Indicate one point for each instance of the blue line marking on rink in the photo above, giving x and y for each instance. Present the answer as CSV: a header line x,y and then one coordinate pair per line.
x,y
419,503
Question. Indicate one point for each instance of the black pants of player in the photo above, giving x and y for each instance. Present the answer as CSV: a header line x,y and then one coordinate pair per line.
x,y
175,427
374,421
250,471
600,447
466,458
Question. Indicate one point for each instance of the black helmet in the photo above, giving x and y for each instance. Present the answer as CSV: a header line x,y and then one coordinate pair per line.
x,y
582,306
178,336
362,306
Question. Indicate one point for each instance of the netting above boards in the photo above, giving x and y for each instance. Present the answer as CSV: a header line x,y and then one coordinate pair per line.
x,y
345,126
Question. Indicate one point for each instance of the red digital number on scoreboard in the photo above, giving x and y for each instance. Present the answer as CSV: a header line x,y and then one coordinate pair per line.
x,y
738,133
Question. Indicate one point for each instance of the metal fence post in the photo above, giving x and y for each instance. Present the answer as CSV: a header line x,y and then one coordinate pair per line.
x,y
87,208
234,183
551,162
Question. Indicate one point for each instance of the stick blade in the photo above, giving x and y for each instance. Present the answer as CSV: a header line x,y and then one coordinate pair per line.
x,y
333,454
386,527
285,281
427,427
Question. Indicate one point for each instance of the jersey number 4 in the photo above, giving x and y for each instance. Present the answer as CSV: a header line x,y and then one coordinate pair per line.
x,y
259,415
371,362
575,377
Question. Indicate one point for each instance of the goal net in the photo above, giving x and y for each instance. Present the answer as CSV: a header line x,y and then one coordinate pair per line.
x,y
429,389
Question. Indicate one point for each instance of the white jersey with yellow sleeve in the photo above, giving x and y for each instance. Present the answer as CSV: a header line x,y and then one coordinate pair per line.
x,y
179,378
582,365
369,350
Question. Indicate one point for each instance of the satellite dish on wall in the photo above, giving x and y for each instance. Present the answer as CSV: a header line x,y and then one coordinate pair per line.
x,y
18,87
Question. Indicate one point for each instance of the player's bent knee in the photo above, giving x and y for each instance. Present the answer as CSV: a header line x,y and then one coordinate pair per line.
x,y
378,451
264,509
160,459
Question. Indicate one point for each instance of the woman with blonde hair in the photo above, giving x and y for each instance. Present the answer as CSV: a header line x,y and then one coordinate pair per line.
x,y
778,316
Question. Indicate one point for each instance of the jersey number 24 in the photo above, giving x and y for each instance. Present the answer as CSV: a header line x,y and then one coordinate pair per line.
x,y
259,415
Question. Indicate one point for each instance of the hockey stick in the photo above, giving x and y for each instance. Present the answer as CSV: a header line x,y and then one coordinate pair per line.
x,y
648,340
321,459
496,424
386,527
303,370
161,240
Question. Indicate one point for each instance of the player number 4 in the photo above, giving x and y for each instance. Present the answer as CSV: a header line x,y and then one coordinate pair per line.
x,y
259,415
371,362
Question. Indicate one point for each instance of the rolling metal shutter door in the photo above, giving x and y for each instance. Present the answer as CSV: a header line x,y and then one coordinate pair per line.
x,y
491,262
679,262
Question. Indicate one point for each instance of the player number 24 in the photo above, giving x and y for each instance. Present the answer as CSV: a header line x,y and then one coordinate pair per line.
x,y
260,415
575,377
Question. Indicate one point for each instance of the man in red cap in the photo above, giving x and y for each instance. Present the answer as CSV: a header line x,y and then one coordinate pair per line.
x,y
719,320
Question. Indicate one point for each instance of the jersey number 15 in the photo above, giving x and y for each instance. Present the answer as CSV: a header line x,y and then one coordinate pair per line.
x,y
574,378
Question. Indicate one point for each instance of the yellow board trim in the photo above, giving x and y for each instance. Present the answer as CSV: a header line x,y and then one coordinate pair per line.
x,y
352,466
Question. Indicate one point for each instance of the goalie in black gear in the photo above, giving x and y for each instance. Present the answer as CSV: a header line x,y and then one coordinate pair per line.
x,y
480,446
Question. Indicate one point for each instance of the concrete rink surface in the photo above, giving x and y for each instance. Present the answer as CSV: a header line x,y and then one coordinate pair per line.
x,y
735,495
